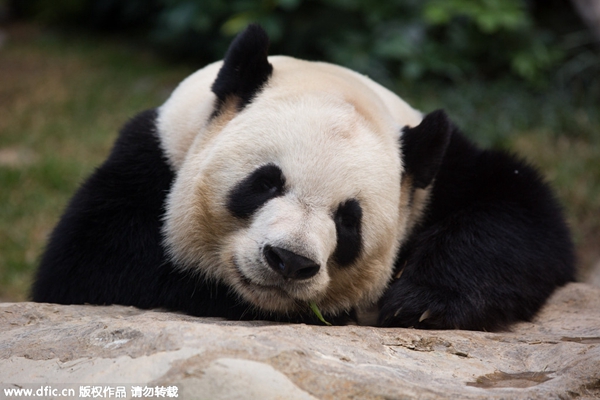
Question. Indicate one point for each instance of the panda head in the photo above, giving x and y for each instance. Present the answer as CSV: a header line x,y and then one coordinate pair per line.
x,y
291,186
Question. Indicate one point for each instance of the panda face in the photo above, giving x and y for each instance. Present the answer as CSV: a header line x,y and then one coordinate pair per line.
x,y
288,184
295,199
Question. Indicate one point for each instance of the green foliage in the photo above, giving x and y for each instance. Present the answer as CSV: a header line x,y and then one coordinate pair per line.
x,y
449,39
490,16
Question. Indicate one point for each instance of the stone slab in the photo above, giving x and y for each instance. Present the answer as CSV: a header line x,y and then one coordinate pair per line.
x,y
555,356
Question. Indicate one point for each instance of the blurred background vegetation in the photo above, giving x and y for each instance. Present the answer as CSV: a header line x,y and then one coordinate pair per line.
x,y
522,75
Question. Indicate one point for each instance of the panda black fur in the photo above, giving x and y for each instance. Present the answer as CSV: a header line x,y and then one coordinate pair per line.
x,y
283,183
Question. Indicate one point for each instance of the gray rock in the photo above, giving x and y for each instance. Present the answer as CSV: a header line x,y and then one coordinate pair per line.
x,y
593,275
90,347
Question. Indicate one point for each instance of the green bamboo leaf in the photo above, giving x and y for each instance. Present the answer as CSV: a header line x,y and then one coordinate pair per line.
x,y
315,309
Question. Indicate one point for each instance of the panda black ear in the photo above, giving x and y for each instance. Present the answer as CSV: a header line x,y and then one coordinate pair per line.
x,y
245,67
424,147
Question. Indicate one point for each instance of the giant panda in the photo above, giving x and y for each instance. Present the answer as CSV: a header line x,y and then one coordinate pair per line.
x,y
267,186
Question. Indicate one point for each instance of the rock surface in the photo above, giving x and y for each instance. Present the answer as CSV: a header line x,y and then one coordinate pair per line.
x,y
555,356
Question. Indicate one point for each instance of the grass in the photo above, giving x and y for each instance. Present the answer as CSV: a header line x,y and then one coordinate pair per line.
x,y
63,99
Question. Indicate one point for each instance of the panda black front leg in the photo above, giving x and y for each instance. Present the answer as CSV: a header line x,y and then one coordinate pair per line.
x,y
490,248
477,270
458,274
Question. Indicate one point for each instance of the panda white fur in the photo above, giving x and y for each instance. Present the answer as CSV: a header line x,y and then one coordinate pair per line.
x,y
265,184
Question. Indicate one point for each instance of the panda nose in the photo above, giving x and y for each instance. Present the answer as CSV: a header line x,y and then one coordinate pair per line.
x,y
290,265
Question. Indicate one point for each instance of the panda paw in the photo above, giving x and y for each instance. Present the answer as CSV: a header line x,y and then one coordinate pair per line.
x,y
409,305
406,305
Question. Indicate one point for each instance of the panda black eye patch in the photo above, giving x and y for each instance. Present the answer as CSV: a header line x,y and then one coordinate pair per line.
x,y
348,219
262,185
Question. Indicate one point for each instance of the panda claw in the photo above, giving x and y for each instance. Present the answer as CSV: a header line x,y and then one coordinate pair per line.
x,y
399,274
425,315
